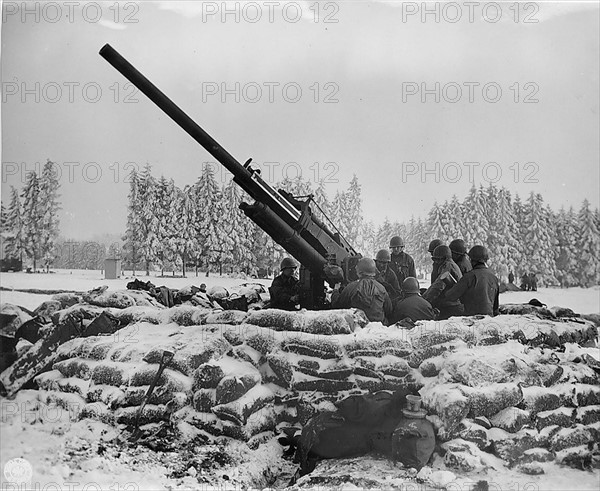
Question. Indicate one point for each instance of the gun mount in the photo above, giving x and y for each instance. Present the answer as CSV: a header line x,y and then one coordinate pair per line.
x,y
288,221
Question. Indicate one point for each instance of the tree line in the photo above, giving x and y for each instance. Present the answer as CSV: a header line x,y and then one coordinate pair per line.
x,y
200,226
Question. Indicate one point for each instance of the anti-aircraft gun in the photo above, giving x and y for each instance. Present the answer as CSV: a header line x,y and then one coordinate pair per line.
x,y
287,220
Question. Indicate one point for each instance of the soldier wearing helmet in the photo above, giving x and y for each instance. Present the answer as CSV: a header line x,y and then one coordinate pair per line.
x,y
366,294
401,263
412,305
479,288
386,276
442,259
284,289
459,255
432,245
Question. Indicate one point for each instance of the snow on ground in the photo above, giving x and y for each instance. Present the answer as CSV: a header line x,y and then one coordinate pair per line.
x,y
85,280
580,300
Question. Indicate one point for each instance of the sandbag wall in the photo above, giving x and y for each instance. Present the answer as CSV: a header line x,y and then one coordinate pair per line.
x,y
520,386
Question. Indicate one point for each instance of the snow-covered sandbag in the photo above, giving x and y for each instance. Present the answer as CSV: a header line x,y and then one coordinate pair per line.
x,y
239,410
315,322
447,401
102,298
492,398
48,308
67,299
225,317
12,318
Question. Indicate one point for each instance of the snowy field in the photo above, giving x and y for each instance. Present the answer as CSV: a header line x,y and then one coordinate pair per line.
x,y
581,300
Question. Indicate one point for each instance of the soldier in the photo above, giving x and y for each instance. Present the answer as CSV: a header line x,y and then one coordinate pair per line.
x,y
511,277
525,285
459,255
432,245
366,294
284,289
386,276
401,263
478,290
533,282
436,294
412,305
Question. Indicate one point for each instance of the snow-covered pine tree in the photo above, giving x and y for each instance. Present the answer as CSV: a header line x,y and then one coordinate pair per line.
x,y
3,218
237,238
32,213
588,246
338,212
147,219
507,227
366,244
476,225
566,257
455,219
162,224
49,201
539,240
14,239
133,233
184,213
353,211
383,235
210,223
420,239
321,199
435,227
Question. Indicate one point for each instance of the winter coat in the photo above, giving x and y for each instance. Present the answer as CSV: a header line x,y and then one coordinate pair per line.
x,y
281,290
390,281
366,294
413,306
478,290
404,266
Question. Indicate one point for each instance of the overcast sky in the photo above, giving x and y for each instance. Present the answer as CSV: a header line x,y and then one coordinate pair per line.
x,y
383,90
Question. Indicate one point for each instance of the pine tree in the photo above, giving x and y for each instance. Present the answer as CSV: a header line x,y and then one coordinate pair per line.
x,y
353,211
49,223
320,198
146,191
338,213
455,222
32,213
133,232
476,225
15,239
384,234
539,244
163,223
237,239
588,246
209,220
434,224
566,254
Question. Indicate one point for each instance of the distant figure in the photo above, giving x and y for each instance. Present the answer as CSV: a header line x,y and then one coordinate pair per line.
x,y
284,289
401,263
203,287
525,284
478,289
413,305
432,245
459,255
366,294
386,276
533,282
511,277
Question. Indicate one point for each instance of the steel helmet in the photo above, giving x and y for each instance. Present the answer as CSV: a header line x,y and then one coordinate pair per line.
x,y
383,255
433,244
442,252
410,285
366,267
288,262
458,246
479,254
396,241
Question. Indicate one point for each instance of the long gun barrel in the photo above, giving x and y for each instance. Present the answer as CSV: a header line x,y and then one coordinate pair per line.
x,y
289,223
